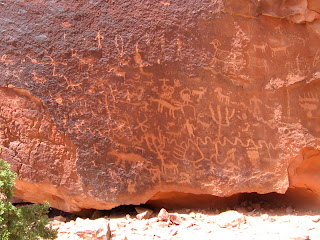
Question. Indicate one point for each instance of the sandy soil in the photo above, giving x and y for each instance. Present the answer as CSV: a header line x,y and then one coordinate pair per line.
x,y
248,220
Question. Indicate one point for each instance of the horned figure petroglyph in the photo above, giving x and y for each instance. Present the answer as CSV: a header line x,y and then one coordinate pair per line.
x,y
230,59
219,53
221,97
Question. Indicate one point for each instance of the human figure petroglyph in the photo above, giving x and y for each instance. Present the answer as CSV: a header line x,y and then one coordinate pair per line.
x,y
167,91
99,37
162,104
221,97
190,128
179,46
262,47
185,95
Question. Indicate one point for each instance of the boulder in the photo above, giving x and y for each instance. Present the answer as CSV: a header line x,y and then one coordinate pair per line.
x,y
105,103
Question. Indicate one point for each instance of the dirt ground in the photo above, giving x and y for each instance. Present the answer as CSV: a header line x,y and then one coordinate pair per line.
x,y
251,218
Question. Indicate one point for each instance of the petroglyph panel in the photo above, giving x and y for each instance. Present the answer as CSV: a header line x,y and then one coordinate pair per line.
x,y
152,97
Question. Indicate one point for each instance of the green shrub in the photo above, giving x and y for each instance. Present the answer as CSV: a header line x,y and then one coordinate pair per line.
x,y
24,223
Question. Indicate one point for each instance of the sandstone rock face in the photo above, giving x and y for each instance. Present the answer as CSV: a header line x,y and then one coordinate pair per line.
x,y
106,103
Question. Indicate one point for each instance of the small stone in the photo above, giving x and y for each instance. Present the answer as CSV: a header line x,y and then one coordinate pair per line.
x,y
163,215
144,215
60,218
192,214
92,229
176,219
230,219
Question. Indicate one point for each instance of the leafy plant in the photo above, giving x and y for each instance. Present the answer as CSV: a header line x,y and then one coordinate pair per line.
x,y
21,223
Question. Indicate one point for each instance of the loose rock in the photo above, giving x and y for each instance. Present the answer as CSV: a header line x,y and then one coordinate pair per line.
x,y
163,215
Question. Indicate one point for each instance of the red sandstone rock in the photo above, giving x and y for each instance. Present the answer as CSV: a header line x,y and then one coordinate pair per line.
x,y
163,215
106,103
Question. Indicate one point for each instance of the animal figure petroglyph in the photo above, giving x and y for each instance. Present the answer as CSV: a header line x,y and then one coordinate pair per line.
x,y
83,61
199,93
262,47
133,160
221,97
164,104
278,50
